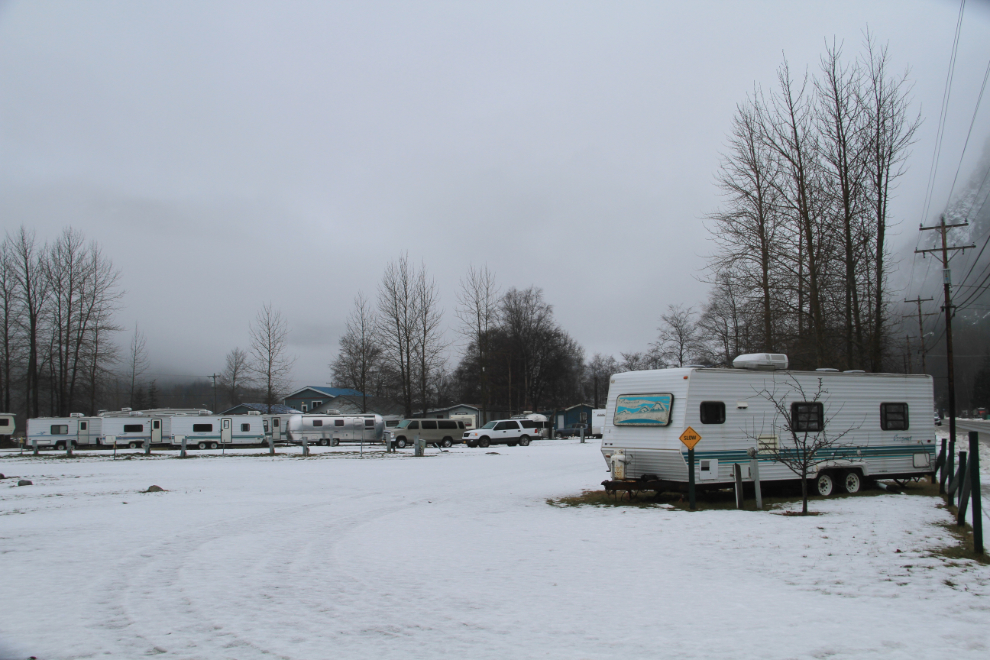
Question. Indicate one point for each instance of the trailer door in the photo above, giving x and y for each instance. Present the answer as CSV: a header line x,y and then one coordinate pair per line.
x,y
276,429
225,429
156,431
83,434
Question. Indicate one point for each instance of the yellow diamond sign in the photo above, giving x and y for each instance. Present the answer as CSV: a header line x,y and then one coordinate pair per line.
x,y
690,437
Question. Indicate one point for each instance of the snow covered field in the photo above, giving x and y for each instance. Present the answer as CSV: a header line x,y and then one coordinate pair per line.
x,y
457,555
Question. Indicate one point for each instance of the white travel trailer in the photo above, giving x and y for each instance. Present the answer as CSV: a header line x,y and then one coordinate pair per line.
x,y
598,422
56,432
889,432
334,429
7,425
212,431
131,430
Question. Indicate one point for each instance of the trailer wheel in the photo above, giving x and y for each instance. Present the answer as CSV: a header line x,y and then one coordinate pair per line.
x,y
484,442
322,442
334,442
524,441
852,482
447,442
202,445
60,446
133,445
825,484
213,445
401,443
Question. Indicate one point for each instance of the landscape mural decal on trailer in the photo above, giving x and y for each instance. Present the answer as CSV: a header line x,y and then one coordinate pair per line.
x,y
642,410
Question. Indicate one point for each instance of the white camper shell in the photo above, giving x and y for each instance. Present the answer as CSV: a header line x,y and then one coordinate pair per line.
x,y
132,430
7,425
214,431
56,432
889,430
598,423
335,429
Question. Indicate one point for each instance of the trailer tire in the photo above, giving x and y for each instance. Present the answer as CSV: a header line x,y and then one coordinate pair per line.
x,y
202,445
60,446
524,441
132,445
484,442
825,484
852,482
401,443
213,445
447,442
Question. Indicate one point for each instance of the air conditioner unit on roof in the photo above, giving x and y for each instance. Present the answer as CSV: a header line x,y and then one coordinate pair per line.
x,y
761,361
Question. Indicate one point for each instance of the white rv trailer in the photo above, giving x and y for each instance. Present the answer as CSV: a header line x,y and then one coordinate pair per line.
x,y
7,425
131,430
598,422
213,431
55,432
334,429
889,429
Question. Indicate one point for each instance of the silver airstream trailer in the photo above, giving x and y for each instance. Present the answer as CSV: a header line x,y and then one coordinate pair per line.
x,y
335,429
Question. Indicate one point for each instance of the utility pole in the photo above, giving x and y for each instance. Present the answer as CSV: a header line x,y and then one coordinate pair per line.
x,y
214,377
921,329
947,286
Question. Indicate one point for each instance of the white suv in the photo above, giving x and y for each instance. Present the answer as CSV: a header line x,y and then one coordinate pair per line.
x,y
501,432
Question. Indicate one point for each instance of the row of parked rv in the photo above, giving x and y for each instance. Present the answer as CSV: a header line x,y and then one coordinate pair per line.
x,y
199,428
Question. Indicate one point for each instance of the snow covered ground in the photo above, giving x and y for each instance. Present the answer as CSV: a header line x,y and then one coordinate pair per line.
x,y
456,555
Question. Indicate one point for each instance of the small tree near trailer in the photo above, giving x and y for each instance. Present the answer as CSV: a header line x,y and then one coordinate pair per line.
x,y
270,362
800,437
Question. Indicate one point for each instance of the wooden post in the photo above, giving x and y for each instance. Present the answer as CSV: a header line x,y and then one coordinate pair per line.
x,y
182,453
951,461
955,484
34,444
418,446
974,469
271,445
737,474
691,502
943,467
68,447
754,472
963,490
582,435
305,447
147,446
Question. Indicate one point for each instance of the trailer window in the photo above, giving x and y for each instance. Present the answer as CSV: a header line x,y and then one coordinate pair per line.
x,y
712,412
369,423
4,422
338,422
807,416
274,421
317,422
60,429
894,416
202,428
133,428
245,427
82,426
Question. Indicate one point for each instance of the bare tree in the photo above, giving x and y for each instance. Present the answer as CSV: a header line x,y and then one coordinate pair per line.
x,y
8,328
890,133
428,341
598,372
641,361
137,362
397,328
805,425
721,326
359,359
270,360
32,297
678,340
236,375
478,310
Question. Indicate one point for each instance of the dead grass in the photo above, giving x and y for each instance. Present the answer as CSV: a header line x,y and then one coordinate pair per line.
x,y
964,540
775,496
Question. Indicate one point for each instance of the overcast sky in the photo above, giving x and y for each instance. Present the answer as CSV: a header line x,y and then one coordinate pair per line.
x,y
227,154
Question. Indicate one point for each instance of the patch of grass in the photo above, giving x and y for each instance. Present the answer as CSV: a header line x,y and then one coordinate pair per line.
x,y
775,496
964,541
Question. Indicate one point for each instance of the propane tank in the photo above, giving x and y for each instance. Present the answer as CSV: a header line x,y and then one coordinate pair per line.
x,y
618,465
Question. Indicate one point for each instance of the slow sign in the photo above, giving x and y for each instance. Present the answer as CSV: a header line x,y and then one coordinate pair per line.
x,y
690,437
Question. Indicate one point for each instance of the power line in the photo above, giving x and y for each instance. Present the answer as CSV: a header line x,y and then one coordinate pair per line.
x,y
946,94
970,132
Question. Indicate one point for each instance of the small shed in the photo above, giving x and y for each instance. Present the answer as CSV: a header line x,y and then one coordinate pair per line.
x,y
573,417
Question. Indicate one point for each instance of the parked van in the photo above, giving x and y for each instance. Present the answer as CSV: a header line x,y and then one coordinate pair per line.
x,y
444,432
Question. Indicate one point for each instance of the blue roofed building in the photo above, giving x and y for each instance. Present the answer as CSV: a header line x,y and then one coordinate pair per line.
x,y
313,398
